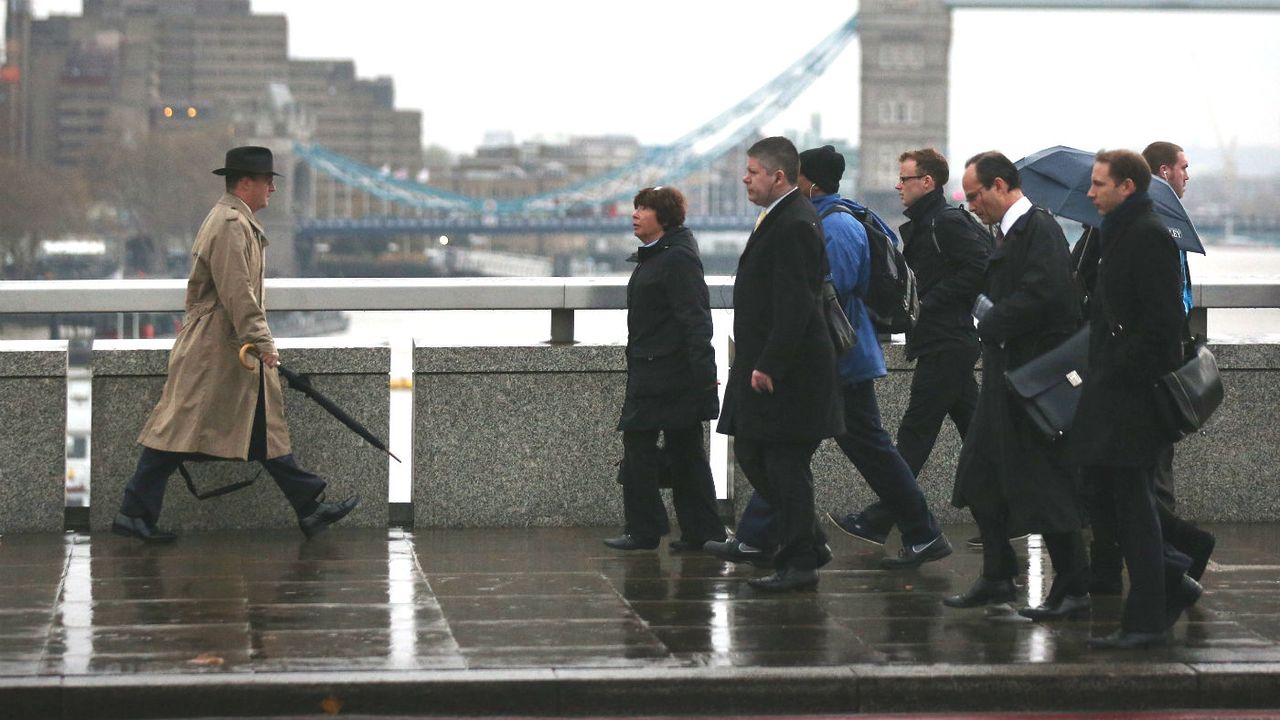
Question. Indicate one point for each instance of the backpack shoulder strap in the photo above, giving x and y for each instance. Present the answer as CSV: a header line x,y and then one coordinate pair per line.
x,y
836,208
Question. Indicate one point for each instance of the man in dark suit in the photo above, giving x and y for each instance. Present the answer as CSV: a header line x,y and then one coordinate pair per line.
x,y
1009,475
1136,320
781,398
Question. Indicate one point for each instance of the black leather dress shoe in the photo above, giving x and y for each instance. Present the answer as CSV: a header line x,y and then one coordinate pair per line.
x,y
1121,640
631,542
327,514
138,528
734,550
786,580
911,556
1187,594
1068,607
983,592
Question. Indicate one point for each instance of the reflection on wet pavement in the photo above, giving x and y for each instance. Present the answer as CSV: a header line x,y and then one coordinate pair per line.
x,y
256,601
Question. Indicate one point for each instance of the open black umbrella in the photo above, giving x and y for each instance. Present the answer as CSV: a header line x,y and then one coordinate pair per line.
x,y
1058,178
300,383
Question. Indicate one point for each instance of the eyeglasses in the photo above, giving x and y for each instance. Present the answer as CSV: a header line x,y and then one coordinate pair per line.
x,y
902,179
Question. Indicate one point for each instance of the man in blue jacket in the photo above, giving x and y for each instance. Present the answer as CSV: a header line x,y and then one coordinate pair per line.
x,y
865,441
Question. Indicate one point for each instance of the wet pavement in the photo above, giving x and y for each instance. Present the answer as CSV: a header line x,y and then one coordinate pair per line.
x,y
546,621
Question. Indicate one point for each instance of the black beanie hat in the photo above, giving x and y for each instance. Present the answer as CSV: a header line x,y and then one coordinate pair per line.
x,y
824,166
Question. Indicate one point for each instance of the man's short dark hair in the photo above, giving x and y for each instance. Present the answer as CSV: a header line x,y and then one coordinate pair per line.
x,y
667,203
1126,165
233,181
1160,153
992,164
929,162
777,153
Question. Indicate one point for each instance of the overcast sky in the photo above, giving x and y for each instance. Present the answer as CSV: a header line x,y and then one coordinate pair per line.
x,y
1020,80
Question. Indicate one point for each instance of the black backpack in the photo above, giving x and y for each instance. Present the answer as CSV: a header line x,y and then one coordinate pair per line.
x,y
891,299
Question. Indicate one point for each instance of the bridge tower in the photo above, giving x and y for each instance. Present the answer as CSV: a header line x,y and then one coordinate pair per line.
x,y
906,48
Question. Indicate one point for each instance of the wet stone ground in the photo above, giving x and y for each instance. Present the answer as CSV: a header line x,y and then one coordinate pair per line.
x,y
253,601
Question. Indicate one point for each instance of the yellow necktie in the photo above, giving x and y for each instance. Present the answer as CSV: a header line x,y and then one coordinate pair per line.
x,y
759,219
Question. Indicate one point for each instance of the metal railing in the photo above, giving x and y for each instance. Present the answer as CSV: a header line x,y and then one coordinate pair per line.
x,y
561,296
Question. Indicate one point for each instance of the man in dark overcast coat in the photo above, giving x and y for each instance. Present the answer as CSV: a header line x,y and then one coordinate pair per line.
x,y
781,398
1013,479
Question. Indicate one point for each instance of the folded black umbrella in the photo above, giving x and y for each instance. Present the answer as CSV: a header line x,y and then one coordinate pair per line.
x,y
302,384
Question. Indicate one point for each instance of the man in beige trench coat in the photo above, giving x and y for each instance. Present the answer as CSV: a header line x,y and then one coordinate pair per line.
x,y
210,407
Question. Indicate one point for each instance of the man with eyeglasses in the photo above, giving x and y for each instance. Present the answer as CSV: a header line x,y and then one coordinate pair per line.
x,y
211,408
948,252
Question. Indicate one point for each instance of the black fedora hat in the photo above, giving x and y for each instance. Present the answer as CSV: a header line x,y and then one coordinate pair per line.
x,y
248,160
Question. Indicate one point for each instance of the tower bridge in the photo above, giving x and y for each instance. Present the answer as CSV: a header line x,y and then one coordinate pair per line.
x,y
905,48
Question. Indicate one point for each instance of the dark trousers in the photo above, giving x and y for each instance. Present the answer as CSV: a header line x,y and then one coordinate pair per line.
x,y
780,473
871,451
693,491
942,385
1124,498
144,493
757,526
1179,535
999,562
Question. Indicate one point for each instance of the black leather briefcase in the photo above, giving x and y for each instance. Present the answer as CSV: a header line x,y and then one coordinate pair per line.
x,y
1187,396
1048,388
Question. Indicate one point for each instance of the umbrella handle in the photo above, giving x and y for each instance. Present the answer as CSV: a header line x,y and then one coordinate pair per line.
x,y
244,350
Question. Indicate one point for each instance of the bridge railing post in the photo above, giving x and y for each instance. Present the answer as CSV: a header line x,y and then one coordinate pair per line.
x,y
561,326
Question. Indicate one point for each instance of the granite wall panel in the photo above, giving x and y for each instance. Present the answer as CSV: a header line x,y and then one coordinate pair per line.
x,y
128,379
33,393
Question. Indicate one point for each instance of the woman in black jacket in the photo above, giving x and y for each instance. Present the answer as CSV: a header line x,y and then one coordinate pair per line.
x,y
671,381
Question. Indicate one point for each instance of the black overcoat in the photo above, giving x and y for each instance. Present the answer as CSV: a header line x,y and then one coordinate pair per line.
x,y
1004,460
671,367
948,253
1135,336
778,328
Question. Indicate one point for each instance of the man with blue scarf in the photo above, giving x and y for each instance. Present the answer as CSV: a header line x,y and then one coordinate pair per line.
x,y
865,441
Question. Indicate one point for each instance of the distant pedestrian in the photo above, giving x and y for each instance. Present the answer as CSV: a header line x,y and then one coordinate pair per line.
x,y
671,381
1012,478
211,408
948,253
1136,321
781,399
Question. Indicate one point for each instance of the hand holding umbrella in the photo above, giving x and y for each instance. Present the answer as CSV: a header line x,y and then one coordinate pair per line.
x,y
300,383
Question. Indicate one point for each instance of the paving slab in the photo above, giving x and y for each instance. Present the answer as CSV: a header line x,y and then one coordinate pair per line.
x,y
549,621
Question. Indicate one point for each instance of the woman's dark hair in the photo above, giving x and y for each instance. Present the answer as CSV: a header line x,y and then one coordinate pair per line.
x,y
667,203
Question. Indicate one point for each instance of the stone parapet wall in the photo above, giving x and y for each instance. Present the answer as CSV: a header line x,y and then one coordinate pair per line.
x,y
33,393
1228,473
517,436
511,436
128,378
